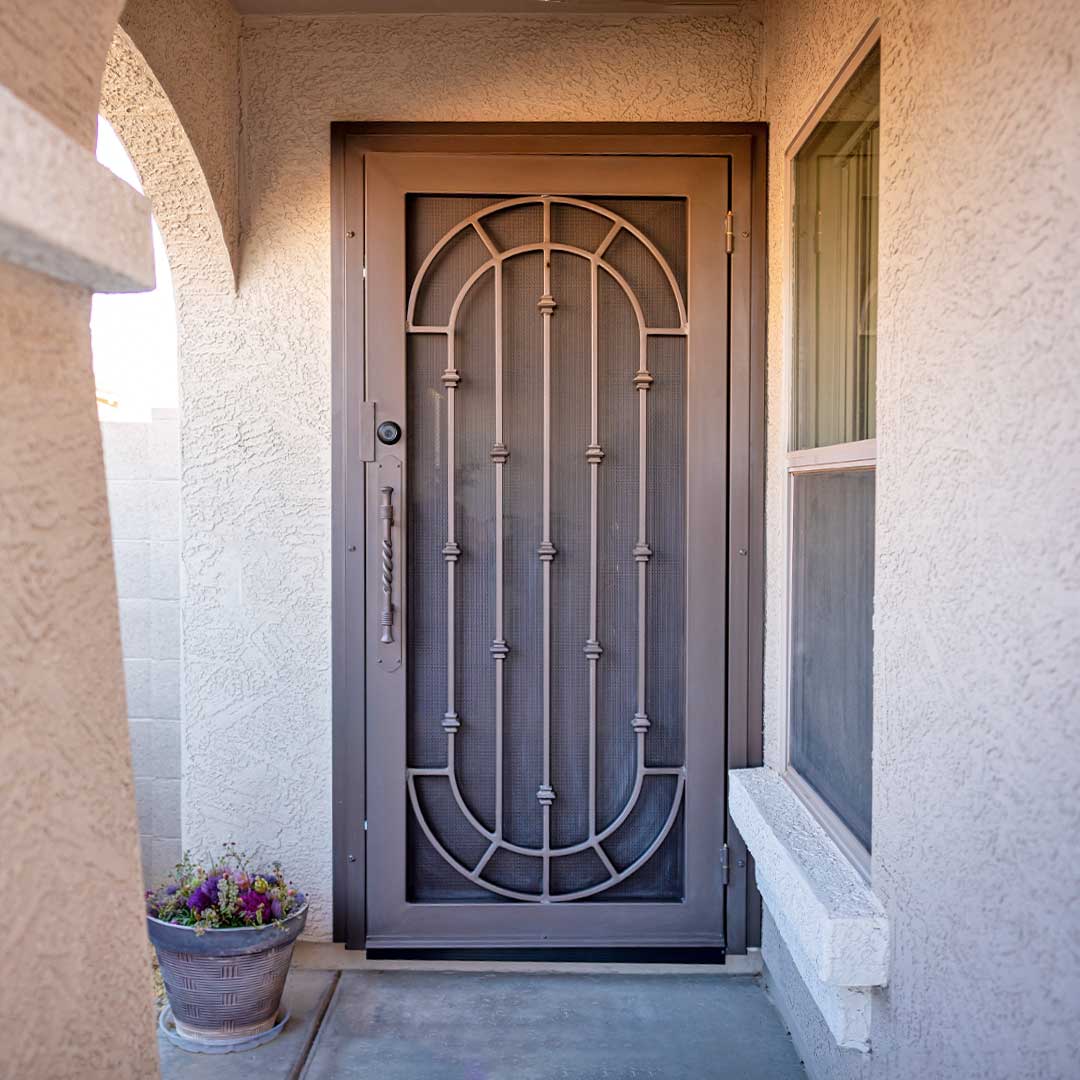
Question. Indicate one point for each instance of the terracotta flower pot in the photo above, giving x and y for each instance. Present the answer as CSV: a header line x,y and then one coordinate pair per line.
x,y
225,985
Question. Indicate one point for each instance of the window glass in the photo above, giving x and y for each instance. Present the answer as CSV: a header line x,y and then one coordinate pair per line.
x,y
836,273
832,606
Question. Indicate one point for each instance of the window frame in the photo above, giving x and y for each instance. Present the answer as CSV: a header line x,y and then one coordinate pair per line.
x,y
839,457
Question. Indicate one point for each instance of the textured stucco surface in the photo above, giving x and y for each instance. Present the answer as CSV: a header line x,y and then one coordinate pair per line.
x,y
50,56
977,647
50,180
826,906
197,244
170,170
255,382
843,1012
192,46
73,1002
803,1014
822,916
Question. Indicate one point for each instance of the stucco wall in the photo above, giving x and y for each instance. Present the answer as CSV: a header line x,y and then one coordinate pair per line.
x,y
197,212
74,999
177,39
977,644
142,469
256,439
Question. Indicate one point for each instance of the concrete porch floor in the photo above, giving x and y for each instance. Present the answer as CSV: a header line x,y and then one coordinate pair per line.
x,y
438,1025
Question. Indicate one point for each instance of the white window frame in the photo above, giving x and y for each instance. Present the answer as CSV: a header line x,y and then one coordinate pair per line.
x,y
845,457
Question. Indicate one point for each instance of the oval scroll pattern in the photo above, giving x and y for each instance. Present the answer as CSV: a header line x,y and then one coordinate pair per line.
x,y
547,305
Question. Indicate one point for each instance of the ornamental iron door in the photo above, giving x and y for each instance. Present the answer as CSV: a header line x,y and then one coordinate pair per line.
x,y
546,584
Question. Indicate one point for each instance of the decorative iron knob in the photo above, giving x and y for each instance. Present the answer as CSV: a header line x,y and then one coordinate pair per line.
x,y
388,432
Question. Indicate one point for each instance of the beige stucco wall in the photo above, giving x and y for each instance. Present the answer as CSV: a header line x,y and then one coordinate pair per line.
x,y
75,994
977,646
192,47
191,180
185,166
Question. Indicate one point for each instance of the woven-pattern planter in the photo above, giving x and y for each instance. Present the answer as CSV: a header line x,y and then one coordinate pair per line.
x,y
225,985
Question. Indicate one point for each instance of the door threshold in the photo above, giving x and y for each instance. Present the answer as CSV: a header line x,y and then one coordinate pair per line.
x,y
325,956
559,954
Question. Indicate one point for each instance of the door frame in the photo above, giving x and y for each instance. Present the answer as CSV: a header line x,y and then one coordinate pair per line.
x,y
746,147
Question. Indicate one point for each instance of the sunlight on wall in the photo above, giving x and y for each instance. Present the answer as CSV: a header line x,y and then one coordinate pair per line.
x,y
133,335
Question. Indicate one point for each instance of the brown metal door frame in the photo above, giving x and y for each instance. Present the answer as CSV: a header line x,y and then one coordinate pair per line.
x,y
744,146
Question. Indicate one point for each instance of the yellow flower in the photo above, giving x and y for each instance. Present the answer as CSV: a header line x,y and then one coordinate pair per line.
x,y
260,885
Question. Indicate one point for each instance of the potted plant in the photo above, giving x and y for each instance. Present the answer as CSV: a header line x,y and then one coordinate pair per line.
x,y
224,937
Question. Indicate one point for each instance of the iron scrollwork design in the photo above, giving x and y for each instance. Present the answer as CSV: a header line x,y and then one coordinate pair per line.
x,y
642,381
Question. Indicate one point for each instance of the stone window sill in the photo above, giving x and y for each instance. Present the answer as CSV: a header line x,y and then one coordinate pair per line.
x,y
832,924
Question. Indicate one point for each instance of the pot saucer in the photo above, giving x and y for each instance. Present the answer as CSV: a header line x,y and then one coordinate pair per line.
x,y
167,1026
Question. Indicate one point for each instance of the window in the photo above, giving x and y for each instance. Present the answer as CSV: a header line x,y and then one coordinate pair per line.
x,y
831,459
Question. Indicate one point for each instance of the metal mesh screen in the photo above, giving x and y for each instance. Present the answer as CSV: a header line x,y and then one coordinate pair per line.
x,y
610,759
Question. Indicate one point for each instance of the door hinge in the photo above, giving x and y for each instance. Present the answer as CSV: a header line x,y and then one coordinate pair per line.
x,y
724,865
729,232
365,824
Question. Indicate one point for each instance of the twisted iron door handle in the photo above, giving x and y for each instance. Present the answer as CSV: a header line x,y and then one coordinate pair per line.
x,y
386,513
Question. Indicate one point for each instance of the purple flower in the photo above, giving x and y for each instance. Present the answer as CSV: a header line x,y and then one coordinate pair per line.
x,y
251,903
199,899
194,895
206,895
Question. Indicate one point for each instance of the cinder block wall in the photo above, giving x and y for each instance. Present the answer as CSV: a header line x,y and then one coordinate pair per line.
x,y
142,468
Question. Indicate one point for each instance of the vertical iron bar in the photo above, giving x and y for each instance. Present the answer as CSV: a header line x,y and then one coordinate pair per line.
x,y
499,455
642,465
451,377
546,794
593,455
642,381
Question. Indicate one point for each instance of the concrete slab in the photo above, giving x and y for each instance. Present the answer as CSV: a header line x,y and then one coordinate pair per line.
x,y
305,997
408,1025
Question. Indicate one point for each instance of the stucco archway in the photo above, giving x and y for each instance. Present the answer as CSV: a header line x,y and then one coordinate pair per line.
x,y
193,218
135,103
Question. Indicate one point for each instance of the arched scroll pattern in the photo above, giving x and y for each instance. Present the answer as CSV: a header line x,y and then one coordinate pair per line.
x,y
493,839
